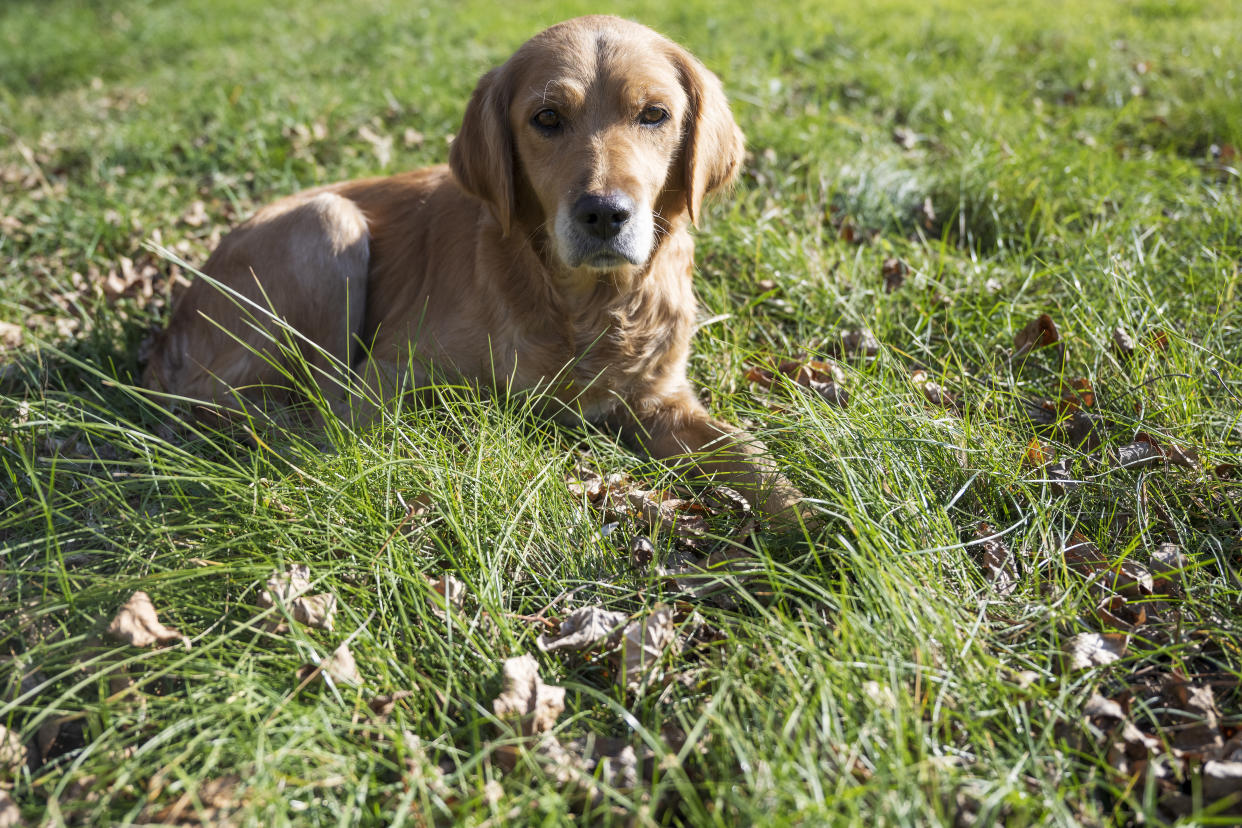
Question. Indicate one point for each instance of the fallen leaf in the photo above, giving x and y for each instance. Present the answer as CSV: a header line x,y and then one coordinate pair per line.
x,y
1199,733
1167,563
382,706
583,629
10,335
315,610
1038,454
288,589
643,642
1087,650
585,482
905,137
381,145
642,552
1082,555
859,343
1123,343
1099,707
12,755
10,814
525,699
1222,779
894,272
583,768
452,590
1177,455
283,587
1038,333
136,624
997,560
209,803
195,215
933,392
341,666
660,512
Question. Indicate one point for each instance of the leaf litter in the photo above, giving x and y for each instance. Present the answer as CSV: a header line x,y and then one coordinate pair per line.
x,y
136,624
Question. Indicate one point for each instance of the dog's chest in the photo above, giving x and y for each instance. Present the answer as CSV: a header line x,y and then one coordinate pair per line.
x,y
617,356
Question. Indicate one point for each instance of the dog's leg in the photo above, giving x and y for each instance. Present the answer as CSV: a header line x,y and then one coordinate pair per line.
x,y
302,261
678,428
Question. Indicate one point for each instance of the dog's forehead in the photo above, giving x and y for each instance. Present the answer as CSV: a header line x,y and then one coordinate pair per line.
x,y
581,63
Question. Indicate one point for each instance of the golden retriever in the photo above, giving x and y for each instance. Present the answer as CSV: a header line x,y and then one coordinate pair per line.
x,y
552,253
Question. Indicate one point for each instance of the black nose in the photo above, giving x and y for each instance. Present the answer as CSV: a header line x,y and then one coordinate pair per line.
x,y
603,216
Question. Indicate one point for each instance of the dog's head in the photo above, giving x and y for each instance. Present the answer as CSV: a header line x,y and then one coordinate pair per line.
x,y
601,132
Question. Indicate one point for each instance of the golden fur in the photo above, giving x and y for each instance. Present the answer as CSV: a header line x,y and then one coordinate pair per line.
x,y
496,269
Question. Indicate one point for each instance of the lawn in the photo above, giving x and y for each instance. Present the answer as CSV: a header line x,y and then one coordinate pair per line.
x,y
1010,234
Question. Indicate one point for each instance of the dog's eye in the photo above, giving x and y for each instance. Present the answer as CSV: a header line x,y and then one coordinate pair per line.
x,y
652,116
547,119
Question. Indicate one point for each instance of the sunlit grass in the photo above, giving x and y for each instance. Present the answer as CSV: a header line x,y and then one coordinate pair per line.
x,y
1076,162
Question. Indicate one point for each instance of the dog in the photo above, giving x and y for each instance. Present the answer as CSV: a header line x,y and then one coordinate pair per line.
x,y
551,254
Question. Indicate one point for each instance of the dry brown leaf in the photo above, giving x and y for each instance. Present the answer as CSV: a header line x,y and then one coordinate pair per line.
x,y
450,588
10,814
210,803
381,145
585,482
12,755
136,624
1038,454
10,335
997,560
1087,650
1167,562
315,610
823,378
1199,733
526,700
643,642
642,552
894,272
1222,779
860,342
933,391
584,768
289,588
195,215
382,706
584,628
1139,454
1099,707
1082,555
1123,343
1038,333
1175,454
283,587
340,666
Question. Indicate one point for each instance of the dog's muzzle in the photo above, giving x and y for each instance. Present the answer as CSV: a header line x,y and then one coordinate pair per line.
x,y
604,231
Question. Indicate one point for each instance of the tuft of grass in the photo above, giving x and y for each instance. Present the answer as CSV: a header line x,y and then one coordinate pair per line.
x,y
1077,159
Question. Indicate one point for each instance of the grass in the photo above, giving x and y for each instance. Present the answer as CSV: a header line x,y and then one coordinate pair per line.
x,y
1079,160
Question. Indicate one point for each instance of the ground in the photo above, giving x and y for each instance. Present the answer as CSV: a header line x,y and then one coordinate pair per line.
x,y
1005,237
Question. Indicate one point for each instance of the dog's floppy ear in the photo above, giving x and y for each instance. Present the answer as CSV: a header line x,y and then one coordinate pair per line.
x,y
482,153
712,145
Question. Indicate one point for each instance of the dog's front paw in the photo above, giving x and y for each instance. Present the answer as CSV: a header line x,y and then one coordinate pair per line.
x,y
784,509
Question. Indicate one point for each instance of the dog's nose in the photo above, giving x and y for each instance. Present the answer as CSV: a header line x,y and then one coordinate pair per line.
x,y
603,216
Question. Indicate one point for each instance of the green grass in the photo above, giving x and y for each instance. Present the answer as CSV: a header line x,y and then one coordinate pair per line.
x,y
1079,160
